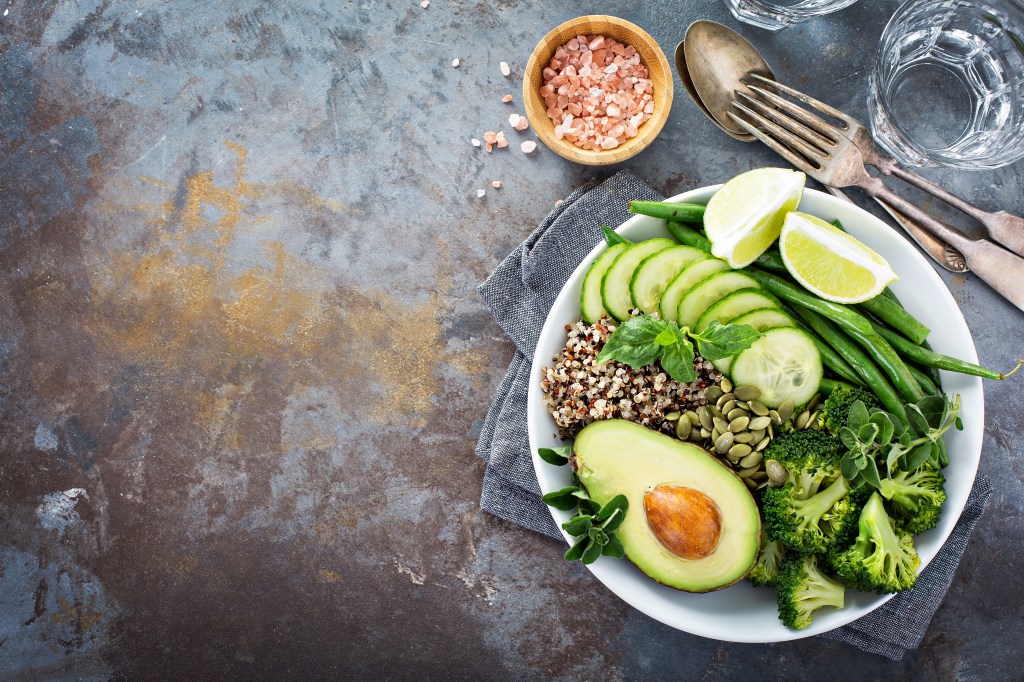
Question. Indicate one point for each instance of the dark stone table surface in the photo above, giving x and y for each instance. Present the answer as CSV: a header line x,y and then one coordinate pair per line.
x,y
243,362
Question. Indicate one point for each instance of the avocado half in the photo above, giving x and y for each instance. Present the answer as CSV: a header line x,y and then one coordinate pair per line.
x,y
692,524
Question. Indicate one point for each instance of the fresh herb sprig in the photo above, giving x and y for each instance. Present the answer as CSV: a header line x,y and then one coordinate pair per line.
x,y
642,340
876,435
593,525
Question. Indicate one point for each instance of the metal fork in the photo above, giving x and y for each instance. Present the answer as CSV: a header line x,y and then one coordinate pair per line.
x,y
836,162
1005,228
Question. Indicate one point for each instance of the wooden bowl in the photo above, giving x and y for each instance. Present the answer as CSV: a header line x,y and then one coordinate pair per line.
x,y
610,27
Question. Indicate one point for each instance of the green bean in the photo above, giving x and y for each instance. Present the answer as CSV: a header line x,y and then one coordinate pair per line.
x,y
857,326
684,234
892,313
928,358
829,357
688,213
856,357
925,381
828,385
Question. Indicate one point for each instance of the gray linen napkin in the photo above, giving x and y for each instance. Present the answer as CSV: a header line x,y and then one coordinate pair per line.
x,y
521,292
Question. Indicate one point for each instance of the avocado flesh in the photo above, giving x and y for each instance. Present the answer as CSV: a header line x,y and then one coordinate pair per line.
x,y
616,456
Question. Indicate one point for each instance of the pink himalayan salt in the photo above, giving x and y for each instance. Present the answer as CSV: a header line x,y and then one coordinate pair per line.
x,y
496,184
518,122
597,92
528,146
506,99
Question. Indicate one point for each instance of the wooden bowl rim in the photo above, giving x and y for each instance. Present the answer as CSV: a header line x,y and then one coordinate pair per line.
x,y
651,128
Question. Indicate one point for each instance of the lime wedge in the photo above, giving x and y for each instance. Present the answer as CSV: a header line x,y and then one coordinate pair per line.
x,y
831,263
744,217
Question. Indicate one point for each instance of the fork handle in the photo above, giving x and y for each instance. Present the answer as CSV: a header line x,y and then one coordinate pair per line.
x,y
1005,228
999,268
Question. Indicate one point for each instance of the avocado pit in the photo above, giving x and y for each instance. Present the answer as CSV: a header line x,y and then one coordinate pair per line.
x,y
685,521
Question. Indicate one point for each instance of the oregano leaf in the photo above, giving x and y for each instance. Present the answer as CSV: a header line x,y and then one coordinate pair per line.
x,y
564,499
591,553
575,553
557,456
614,548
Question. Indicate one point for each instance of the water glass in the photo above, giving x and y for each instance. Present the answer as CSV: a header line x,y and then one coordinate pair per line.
x,y
947,88
776,14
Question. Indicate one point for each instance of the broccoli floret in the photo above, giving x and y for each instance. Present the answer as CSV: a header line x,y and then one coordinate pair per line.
x,y
814,510
836,407
812,525
803,588
916,497
881,558
769,560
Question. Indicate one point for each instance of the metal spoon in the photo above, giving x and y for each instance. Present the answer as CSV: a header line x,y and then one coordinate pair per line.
x,y
717,61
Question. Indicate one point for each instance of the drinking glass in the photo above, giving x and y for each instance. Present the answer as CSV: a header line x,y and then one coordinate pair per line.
x,y
947,88
776,14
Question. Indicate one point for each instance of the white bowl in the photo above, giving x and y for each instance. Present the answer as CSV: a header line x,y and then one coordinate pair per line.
x,y
743,613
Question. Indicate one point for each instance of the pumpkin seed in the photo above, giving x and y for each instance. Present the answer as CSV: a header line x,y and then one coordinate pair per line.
x,y
801,420
746,472
715,433
775,417
763,443
683,428
786,409
739,424
673,416
736,412
723,443
726,385
759,423
730,406
756,435
746,437
760,475
758,408
814,419
704,433
750,483
813,402
705,417
713,393
695,435
715,412
777,473
734,460
752,460
693,417
726,397
747,392
739,451
722,425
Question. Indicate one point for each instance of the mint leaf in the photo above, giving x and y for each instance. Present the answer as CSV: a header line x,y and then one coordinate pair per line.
x,y
557,456
677,360
666,338
719,340
611,237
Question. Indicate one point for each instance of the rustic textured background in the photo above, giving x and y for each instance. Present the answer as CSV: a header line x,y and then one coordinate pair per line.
x,y
244,362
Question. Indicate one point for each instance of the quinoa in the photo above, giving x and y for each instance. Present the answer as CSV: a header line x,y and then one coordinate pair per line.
x,y
578,391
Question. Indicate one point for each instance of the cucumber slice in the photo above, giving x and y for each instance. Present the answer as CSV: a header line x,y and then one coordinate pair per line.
x,y
760,319
764,318
684,281
709,291
784,364
615,283
590,298
735,304
656,271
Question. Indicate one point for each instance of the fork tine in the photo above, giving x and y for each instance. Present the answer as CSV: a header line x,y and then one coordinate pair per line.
x,y
799,162
812,121
825,144
780,134
807,99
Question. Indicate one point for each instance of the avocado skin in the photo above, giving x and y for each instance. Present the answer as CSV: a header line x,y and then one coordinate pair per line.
x,y
617,456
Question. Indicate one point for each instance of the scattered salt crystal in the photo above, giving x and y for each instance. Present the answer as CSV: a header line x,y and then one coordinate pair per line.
x,y
523,123
505,71
496,184
528,146
425,4
513,119
506,99
558,202
455,62
480,193
475,142
500,140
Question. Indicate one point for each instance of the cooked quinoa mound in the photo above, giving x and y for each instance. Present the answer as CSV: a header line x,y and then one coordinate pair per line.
x,y
578,391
